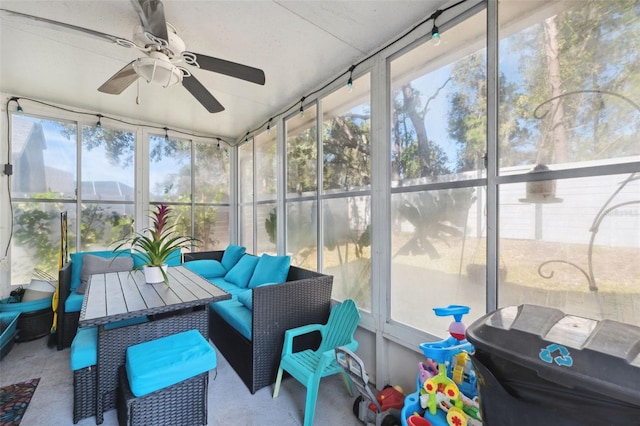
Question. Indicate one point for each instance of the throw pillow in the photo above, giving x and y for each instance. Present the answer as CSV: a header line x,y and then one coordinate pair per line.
x,y
76,263
246,298
206,268
270,269
241,273
99,265
232,255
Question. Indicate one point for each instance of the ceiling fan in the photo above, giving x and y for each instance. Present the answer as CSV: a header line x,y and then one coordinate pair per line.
x,y
165,58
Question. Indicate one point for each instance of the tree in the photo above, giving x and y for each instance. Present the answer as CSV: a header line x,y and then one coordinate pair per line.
x,y
568,64
414,154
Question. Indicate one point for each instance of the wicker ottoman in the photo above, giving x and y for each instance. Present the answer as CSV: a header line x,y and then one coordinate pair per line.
x,y
165,381
83,364
84,393
184,403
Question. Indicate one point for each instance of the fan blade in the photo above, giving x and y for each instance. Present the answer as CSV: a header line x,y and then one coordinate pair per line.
x,y
61,26
151,13
120,80
201,94
243,72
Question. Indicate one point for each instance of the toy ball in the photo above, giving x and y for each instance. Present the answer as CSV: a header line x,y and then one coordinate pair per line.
x,y
457,330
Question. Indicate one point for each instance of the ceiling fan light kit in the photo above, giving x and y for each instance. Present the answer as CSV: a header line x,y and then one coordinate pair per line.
x,y
159,40
156,68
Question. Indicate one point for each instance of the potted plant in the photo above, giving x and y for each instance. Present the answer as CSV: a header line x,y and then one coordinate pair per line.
x,y
155,245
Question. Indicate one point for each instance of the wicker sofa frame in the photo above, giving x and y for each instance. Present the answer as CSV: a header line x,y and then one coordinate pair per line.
x,y
66,322
305,298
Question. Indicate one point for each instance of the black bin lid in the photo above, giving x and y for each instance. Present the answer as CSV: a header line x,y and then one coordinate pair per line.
x,y
600,355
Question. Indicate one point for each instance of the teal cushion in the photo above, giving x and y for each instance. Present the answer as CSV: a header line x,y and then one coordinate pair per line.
x,y
175,258
84,348
168,360
8,329
236,315
207,268
230,288
73,302
246,298
30,306
76,263
241,273
232,255
270,269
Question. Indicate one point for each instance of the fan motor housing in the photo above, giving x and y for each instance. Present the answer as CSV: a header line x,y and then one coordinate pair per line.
x,y
172,48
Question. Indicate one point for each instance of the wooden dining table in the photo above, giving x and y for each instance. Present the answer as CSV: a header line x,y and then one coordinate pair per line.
x,y
164,309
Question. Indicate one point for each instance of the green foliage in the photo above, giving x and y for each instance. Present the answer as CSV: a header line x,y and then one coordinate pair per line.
x,y
155,244
347,153
270,225
301,162
34,231
434,215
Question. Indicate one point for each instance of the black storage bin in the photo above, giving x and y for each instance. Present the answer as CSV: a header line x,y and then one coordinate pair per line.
x,y
538,366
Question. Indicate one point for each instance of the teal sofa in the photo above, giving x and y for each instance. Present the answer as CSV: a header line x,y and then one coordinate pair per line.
x,y
249,328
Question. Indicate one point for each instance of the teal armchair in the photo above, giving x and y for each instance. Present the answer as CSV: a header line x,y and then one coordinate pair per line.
x,y
309,366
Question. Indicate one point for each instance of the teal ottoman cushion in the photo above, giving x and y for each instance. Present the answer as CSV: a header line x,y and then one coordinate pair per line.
x,y
84,348
166,361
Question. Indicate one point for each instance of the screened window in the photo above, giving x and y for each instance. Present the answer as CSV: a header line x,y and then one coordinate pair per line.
x,y
438,142
193,177
107,190
211,195
346,195
266,167
246,194
44,155
570,241
302,186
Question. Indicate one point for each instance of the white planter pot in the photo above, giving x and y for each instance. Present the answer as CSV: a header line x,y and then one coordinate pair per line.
x,y
153,274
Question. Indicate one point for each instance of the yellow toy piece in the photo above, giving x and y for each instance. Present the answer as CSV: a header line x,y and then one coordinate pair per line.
x,y
452,392
456,417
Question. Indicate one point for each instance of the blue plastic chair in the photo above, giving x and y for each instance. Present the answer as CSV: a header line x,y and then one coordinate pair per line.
x,y
309,366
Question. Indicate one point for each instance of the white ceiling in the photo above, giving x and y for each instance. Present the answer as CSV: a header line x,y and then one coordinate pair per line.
x,y
299,44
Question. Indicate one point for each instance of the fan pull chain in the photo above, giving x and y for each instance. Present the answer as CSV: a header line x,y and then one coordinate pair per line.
x,y
138,92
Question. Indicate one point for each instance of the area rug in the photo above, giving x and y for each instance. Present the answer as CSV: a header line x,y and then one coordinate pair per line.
x,y
14,400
